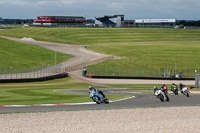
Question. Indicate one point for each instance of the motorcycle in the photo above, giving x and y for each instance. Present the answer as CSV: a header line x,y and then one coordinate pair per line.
x,y
175,90
185,91
98,98
161,95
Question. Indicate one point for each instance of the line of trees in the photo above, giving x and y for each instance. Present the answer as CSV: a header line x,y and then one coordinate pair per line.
x,y
188,23
16,21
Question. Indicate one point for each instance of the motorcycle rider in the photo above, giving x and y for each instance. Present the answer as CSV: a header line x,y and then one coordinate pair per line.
x,y
91,88
155,88
181,87
173,86
163,86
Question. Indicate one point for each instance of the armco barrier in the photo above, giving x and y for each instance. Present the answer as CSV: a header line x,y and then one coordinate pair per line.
x,y
62,75
126,77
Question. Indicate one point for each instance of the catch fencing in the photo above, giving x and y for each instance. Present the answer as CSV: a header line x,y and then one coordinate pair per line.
x,y
197,81
141,72
45,71
30,73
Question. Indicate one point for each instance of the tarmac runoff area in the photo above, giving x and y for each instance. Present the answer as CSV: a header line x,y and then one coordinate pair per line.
x,y
148,119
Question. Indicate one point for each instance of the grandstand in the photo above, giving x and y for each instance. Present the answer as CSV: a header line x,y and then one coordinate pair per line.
x,y
63,21
110,21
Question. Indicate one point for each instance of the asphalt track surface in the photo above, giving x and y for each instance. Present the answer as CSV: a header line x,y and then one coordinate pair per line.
x,y
140,100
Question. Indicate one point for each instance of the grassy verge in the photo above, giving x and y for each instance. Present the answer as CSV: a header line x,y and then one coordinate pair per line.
x,y
149,59
43,93
90,36
148,52
137,86
21,56
139,91
148,88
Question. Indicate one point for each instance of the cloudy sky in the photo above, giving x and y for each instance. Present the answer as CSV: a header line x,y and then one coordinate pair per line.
x,y
132,9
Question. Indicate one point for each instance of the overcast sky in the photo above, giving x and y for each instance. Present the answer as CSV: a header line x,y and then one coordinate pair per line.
x,y
132,9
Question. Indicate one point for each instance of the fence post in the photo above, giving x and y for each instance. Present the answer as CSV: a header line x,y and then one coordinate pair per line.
x,y
197,81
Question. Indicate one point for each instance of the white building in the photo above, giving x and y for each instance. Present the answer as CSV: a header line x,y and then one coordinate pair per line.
x,y
155,23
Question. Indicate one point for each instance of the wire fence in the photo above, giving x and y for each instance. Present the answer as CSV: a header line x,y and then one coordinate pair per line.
x,y
46,71
141,72
197,81
34,72
40,72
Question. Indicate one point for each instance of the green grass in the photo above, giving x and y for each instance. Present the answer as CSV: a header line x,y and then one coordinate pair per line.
x,y
195,89
43,93
103,35
147,52
22,56
147,88
139,86
139,91
148,58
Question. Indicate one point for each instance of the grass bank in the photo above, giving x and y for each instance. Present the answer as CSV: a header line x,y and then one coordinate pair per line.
x,y
147,52
43,93
21,56
90,36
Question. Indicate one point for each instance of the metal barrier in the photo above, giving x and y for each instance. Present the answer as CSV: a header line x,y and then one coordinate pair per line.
x,y
140,72
30,73
40,72
197,81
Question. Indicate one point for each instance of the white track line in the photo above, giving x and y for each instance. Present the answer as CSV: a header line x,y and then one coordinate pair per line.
x,y
86,103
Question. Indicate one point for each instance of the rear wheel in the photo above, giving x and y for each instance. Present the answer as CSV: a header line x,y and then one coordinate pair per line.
x,y
188,95
161,97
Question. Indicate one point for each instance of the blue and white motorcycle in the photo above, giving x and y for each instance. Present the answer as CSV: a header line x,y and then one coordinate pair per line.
x,y
161,95
98,97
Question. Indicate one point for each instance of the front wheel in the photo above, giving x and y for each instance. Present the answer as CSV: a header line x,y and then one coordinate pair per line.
x,y
167,98
188,95
176,92
106,101
97,100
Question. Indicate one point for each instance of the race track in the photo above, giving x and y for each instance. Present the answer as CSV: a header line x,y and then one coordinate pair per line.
x,y
81,56
140,100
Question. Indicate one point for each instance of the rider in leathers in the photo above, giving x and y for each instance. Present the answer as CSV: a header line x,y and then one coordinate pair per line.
x,y
91,88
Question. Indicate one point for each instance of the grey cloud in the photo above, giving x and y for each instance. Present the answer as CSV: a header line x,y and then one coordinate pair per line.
x,y
132,9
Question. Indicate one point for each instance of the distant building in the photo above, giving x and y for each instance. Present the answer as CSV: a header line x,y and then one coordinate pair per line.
x,y
15,21
110,21
129,23
63,21
155,23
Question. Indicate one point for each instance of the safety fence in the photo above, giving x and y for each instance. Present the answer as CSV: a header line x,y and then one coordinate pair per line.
x,y
197,81
141,72
34,72
45,71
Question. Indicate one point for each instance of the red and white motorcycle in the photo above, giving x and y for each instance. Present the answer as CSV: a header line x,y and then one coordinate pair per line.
x,y
161,95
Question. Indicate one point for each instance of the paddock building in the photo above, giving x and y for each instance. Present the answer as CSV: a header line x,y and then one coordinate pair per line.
x,y
151,23
63,21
